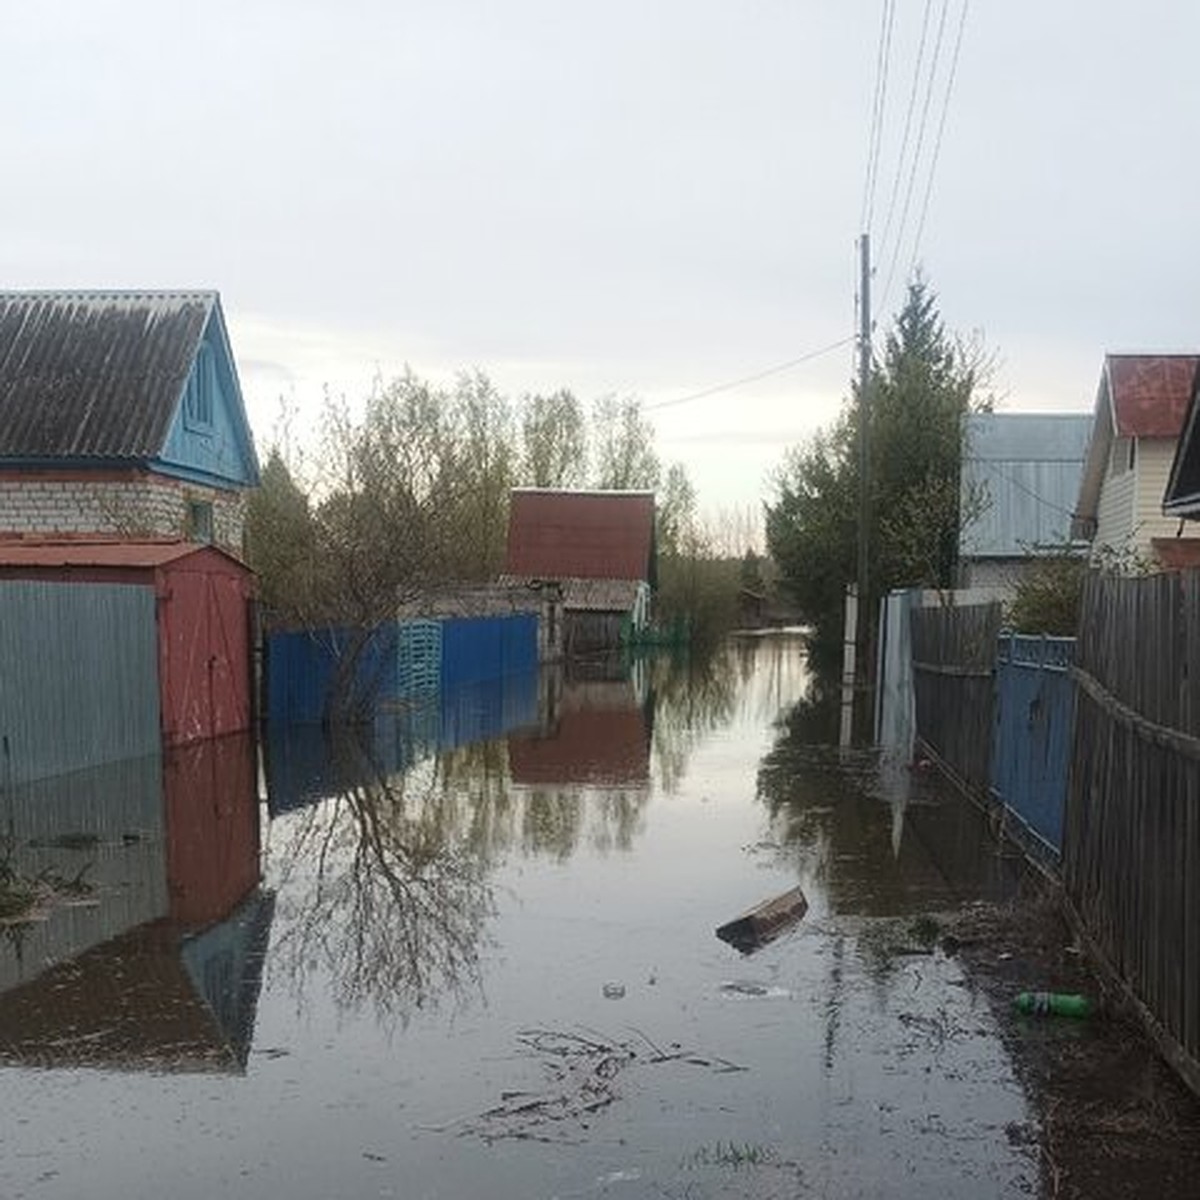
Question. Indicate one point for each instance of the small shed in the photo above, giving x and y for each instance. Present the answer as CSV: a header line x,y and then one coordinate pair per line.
x,y
202,618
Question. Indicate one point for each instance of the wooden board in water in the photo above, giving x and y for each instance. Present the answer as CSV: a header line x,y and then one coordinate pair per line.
x,y
765,921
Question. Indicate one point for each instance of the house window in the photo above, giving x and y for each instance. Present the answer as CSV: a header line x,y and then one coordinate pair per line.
x,y
200,521
201,390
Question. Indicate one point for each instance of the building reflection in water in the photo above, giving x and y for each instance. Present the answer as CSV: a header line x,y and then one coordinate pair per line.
x,y
148,953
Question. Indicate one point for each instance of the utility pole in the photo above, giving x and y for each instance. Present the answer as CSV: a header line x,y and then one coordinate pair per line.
x,y
855,668
864,455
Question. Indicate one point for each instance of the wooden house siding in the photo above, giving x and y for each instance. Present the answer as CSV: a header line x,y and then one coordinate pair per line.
x,y
1153,470
1114,515
210,446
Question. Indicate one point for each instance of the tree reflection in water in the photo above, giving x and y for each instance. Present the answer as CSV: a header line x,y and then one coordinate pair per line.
x,y
690,695
393,900
385,884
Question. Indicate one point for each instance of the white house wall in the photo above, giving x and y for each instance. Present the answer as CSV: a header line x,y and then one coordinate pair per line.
x,y
1155,456
1114,514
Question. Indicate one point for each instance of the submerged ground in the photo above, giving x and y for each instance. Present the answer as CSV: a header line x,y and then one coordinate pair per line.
x,y
486,966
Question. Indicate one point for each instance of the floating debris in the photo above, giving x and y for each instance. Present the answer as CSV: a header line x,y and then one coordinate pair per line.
x,y
764,922
581,1069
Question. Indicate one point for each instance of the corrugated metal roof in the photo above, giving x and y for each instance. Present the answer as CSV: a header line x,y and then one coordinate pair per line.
x,y
1024,471
1150,392
583,535
19,552
94,374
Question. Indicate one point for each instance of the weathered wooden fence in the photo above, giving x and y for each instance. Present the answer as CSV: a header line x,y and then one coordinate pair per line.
x,y
954,652
1132,847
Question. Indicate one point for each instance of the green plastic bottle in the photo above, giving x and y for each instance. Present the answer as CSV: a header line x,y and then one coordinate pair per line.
x,y
1056,1004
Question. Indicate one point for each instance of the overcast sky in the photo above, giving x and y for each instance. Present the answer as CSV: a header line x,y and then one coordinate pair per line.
x,y
645,198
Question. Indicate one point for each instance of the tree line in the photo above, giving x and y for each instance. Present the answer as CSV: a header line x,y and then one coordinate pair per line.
x,y
408,494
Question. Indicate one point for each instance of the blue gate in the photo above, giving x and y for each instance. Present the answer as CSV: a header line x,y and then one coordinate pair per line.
x,y
1035,708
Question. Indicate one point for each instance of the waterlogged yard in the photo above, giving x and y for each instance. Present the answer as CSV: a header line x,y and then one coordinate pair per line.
x,y
488,967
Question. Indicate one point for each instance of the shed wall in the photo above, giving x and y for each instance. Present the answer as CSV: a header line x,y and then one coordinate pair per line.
x,y
78,677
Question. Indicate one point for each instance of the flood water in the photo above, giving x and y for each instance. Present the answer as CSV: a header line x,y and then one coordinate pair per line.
x,y
482,961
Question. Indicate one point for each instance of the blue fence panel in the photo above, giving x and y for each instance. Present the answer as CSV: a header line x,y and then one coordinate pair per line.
x,y
1035,709
302,669
476,649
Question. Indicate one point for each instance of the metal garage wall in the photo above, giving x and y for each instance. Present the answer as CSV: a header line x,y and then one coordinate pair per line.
x,y
78,677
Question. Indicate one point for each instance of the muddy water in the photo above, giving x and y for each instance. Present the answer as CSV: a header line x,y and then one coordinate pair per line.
x,y
487,967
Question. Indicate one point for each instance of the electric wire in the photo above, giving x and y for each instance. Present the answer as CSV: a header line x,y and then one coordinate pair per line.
x,y
736,383
878,108
916,158
941,129
908,116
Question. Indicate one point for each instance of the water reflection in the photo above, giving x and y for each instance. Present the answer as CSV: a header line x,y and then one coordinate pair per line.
x,y
385,837
874,836
390,898
146,949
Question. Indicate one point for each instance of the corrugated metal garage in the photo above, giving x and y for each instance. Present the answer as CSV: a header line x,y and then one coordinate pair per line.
x,y
201,616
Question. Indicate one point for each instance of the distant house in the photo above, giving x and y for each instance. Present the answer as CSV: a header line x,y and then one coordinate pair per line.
x,y
599,547
121,415
1020,479
1140,409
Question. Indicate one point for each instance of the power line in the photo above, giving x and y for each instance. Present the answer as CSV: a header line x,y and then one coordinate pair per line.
x,y
908,115
878,106
916,158
937,144
736,383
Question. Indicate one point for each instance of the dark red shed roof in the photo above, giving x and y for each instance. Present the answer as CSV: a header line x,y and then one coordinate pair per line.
x,y
1150,392
582,535
74,552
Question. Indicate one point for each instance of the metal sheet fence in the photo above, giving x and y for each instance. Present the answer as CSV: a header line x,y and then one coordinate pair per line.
x,y
78,677
1034,715
953,658
1132,848
311,670
478,649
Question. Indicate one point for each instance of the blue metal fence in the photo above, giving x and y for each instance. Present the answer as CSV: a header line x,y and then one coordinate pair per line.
x,y
302,669
1034,712
477,649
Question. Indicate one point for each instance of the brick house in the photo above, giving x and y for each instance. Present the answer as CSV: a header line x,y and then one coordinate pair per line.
x,y
121,415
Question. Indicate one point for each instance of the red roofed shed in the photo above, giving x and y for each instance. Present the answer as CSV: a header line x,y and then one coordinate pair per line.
x,y
581,535
599,546
203,617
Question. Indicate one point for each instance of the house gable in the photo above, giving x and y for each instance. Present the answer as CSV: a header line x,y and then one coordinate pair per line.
x,y
1140,406
209,440
96,381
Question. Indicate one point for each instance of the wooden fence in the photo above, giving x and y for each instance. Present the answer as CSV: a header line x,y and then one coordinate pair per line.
x,y
1132,846
954,652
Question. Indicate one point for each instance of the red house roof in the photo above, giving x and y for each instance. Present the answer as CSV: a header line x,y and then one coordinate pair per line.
x,y
1150,392
582,535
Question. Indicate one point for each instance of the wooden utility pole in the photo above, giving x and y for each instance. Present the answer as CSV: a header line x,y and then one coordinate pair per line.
x,y
864,454
855,667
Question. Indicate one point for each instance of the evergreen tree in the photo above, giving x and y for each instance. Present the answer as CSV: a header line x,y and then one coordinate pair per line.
x,y
918,396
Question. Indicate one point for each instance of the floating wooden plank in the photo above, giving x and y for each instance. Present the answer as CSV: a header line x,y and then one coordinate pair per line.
x,y
764,922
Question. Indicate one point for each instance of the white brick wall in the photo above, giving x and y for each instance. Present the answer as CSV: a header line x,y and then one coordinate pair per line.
x,y
141,506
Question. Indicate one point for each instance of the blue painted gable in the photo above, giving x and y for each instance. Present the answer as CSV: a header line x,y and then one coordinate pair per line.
x,y
209,440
